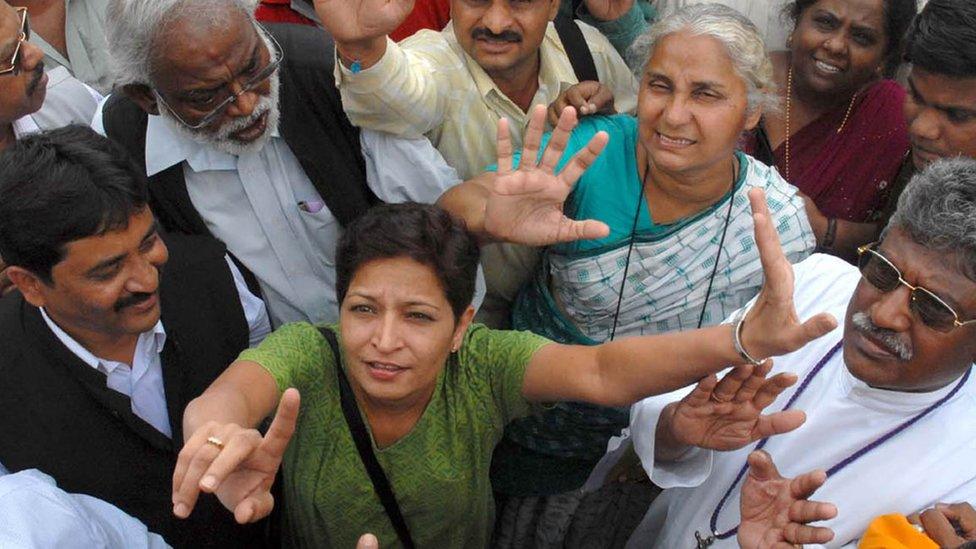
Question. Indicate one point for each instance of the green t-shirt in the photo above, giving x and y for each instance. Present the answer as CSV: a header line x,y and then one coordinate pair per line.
x,y
438,471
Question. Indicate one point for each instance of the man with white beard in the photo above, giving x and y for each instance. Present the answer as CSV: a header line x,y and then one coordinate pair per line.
x,y
884,404
204,87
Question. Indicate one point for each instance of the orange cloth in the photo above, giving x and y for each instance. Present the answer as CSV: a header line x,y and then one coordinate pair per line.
x,y
894,532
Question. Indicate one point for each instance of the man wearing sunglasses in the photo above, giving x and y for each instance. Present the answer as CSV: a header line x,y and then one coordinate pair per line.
x,y
204,88
884,404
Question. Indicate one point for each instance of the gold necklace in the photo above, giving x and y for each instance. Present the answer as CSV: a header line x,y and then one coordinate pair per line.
x,y
789,96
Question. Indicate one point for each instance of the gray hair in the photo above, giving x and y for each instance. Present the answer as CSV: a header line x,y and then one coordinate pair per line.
x,y
938,209
735,31
134,27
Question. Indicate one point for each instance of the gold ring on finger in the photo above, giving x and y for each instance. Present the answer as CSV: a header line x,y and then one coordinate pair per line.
x,y
216,442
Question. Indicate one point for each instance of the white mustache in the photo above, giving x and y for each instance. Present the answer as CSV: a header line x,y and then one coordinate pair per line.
x,y
891,341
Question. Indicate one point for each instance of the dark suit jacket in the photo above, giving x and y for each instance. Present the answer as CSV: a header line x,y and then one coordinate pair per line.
x,y
60,417
312,123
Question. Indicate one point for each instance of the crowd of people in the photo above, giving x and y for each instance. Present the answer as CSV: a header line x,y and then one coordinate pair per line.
x,y
487,273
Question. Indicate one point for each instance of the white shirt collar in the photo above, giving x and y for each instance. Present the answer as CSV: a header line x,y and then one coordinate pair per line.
x,y
166,147
157,333
884,400
25,125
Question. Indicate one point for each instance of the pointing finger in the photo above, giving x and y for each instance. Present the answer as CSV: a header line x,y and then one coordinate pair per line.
x,y
283,425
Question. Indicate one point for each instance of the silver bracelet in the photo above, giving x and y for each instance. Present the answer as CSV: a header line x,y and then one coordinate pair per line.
x,y
737,341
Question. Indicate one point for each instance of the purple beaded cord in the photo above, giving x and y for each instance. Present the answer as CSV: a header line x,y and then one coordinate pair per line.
x,y
713,522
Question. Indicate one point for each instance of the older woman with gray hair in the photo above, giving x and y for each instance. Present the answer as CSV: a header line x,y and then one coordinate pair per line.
x,y
679,255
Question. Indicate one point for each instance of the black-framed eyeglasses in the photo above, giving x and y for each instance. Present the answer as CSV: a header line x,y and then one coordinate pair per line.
x,y
11,66
931,309
276,57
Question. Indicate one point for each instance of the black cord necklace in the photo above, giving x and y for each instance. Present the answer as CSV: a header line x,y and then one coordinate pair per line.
x,y
633,235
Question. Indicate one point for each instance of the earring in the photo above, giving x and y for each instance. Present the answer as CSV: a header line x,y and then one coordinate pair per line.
x,y
789,41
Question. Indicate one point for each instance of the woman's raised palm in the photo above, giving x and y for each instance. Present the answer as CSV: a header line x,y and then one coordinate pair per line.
x,y
526,204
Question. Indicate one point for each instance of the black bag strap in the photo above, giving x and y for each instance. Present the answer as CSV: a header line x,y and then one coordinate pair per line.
x,y
365,447
577,50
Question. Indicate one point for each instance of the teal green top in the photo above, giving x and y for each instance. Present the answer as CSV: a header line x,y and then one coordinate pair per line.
x,y
609,190
438,471
621,32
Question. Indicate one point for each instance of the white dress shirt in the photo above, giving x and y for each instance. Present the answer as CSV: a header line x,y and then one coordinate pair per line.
x,y
36,514
932,461
251,203
87,56
68,101
142,381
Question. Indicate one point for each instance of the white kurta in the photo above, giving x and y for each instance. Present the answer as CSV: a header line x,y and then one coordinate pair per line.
x,y
932,461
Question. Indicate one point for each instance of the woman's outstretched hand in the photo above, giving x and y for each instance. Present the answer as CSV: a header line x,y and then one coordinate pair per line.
x,y
772,327
237,464
525,205
776,512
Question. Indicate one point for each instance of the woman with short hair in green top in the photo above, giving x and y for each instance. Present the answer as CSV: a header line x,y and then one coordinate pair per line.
x,y
434,390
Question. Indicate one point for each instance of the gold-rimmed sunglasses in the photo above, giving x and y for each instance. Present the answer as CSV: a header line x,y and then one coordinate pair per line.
x,y
12,66
931,309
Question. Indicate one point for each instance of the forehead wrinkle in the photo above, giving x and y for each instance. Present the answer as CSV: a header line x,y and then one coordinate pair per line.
x,y
193,57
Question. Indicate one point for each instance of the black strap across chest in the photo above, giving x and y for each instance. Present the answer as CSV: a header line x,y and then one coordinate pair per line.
x,y
577,50
381,485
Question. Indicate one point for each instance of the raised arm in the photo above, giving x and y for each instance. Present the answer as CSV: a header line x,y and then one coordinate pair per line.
x,y
525,205
224,453
624,371
385,87
360,27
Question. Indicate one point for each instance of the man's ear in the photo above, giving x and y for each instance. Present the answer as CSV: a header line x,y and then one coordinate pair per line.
x,y
143,96
29,285
554,9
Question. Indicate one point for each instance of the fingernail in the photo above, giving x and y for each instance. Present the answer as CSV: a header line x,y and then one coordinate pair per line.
x,y
180,510
209,482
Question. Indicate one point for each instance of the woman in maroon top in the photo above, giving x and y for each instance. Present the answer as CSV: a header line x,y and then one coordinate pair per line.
x,y
841,135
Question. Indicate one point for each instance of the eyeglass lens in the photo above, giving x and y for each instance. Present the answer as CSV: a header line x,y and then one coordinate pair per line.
x,y
881,274
257,80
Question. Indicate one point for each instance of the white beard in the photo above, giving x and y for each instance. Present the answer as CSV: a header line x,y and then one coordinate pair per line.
x,y
220,138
